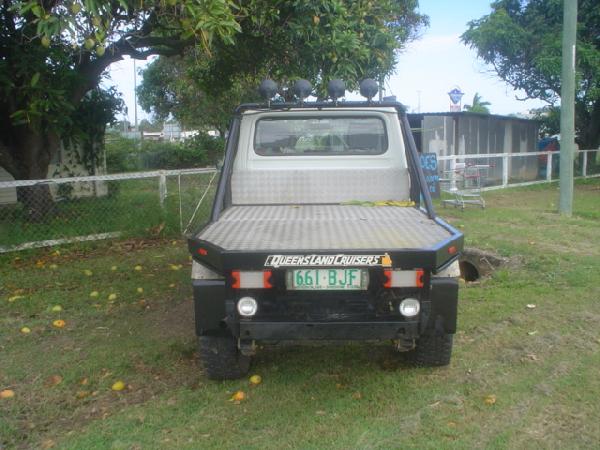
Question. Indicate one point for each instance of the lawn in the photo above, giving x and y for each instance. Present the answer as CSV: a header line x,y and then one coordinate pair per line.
x,y
524,372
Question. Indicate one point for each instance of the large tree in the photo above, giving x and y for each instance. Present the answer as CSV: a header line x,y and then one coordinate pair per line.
x,y
53,53
285,40
521,39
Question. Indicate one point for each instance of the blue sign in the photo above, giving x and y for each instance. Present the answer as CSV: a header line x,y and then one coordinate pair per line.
x,y
429,165
455,95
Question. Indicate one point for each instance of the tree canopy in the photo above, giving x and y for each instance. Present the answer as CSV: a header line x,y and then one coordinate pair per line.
x,y
285,40
521,40
53,52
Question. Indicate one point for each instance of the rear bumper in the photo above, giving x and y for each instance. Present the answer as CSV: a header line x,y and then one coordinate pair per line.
x,y
347,331
215,312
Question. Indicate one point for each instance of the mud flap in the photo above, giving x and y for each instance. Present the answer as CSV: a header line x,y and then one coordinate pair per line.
x,y
209,305
444,304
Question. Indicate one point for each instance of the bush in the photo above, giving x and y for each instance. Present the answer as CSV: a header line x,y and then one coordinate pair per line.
x,y
118,153
128,155
212,147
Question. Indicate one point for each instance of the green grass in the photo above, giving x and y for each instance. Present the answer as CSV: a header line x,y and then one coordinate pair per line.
x,y
540,363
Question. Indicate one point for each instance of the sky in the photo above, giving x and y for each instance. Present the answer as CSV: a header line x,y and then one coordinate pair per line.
x,y
438,61
427,68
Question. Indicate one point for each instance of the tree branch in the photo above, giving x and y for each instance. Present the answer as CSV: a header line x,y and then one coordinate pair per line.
x,y
127,46
158,41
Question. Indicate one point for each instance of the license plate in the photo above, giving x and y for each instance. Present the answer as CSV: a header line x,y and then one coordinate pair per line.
x,y
327,279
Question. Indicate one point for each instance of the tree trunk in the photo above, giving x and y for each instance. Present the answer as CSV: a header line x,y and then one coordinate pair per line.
x,y
37,202
589,134
31,154
592,135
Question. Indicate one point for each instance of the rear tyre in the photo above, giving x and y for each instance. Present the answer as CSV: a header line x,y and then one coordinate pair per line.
x,y
221,358
432,350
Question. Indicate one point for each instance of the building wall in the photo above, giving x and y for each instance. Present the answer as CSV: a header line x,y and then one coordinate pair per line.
x,y
7,196
470,134
67,163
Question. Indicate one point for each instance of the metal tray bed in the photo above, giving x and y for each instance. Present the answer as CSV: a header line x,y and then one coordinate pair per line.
x,y
325,227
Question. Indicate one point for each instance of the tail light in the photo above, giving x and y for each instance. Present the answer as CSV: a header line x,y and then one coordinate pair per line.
x,y
404,278
251,279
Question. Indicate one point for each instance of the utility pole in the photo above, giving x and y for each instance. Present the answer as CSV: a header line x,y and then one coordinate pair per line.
x,y
135,95
567,107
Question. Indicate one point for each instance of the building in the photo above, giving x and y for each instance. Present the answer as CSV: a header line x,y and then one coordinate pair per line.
x,y
466,133
171,132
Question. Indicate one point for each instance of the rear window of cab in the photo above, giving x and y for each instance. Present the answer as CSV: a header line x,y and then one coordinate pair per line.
x,y
326,136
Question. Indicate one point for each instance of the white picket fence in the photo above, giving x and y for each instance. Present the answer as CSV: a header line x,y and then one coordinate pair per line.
x,y
501,174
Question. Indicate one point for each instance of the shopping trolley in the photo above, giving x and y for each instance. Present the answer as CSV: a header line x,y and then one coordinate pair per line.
x,y
463,183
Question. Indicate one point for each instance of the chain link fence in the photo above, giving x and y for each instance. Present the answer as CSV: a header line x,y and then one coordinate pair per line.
x,y
37,213
172,203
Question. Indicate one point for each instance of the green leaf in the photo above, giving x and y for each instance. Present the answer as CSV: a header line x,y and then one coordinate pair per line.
x,y
37,11
34,79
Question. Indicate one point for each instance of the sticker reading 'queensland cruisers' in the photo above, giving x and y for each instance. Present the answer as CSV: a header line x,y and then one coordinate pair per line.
x,y
328,260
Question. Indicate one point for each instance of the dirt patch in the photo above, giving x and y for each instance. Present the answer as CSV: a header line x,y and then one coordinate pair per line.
x,y
174,320
476,263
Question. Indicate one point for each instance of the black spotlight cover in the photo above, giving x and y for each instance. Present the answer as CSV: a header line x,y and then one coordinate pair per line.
x,y
302,89
368,88
267,89
336,89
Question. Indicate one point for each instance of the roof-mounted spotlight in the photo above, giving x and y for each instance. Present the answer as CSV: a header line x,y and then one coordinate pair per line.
x,y
336,89
369,88
302,89
267,90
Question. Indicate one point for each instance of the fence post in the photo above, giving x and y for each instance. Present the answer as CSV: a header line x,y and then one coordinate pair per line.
x,y
452,173
584,164
505,170
180,206
162,189
549,167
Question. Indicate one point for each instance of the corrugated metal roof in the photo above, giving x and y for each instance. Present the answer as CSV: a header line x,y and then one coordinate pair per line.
x,y
469,114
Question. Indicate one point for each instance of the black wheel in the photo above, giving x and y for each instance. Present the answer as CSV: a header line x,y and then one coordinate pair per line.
x,y
432,350
221,358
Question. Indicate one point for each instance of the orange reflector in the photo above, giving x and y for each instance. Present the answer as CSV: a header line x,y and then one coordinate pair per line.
x,y
419,277
235,274
452,250
267,279
388,279
202,251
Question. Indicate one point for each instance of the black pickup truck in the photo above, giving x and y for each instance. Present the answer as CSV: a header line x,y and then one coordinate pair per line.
x,y
322,228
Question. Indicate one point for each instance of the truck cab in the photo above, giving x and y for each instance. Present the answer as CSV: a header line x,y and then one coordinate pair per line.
x,y
322,228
